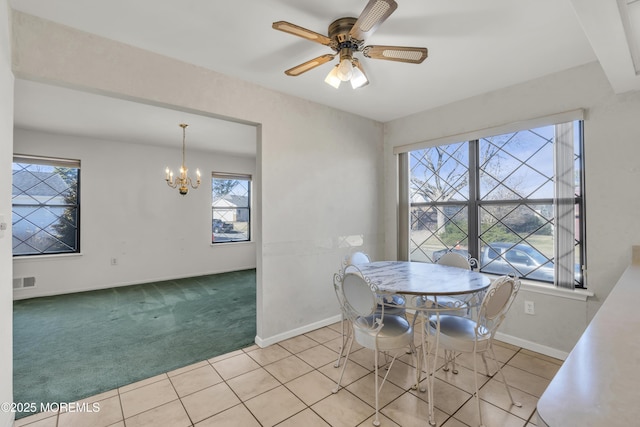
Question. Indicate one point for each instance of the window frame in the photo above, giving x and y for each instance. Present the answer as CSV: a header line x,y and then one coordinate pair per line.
x,y
232,176
51,162
474,201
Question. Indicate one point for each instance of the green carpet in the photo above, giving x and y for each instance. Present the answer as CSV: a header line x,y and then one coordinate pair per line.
x,y
68,347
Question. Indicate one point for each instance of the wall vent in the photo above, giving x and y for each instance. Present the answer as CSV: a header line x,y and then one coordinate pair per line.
x,y
24,282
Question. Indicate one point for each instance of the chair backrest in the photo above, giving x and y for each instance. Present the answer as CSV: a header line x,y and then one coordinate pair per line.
x,y
358,258
357,296
453,259
496,304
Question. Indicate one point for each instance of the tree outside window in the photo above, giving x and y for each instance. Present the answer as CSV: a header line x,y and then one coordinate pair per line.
x,y
503,200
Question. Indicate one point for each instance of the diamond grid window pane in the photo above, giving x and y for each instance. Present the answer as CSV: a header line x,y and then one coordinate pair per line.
x,y
517,165
435,229
440,174
45,208
520,238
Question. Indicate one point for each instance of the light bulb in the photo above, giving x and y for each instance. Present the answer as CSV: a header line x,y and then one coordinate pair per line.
x,y
359,79
332,78
345,70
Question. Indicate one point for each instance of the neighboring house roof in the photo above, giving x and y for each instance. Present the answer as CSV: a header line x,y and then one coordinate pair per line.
x,y
231,201
241,201
222,203
38,183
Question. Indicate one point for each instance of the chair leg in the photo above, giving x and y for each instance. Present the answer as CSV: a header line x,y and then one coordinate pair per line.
x,y
414,355
345,338
344,366
379,384
486,367
413,323
504,379
376,420
450,358
475,378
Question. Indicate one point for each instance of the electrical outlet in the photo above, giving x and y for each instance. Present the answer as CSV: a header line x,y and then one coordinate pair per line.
x,y
114,261
529,307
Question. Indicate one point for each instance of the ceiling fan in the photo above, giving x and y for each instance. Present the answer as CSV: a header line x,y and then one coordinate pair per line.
x,y
346,36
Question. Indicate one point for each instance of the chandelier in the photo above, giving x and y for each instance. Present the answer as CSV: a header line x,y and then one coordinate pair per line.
x,y
183,181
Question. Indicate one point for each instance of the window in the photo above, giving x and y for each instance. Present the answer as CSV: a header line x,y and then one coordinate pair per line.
x,y
45,206
513,201
231,208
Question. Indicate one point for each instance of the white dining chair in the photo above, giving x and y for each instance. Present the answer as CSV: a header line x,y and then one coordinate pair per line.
x,y
464,335
453,259
461,306
354,259
458,305
372,328
394,304
357,258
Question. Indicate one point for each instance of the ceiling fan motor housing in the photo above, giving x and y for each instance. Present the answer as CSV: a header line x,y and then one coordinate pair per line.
x,y
339,33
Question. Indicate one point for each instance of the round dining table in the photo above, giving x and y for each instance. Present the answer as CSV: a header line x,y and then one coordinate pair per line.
x,y
420,278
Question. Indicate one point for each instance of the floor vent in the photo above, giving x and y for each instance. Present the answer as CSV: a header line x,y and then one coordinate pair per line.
x,y
24,282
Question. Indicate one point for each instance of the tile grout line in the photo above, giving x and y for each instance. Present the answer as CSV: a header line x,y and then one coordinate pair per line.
x,y
325,344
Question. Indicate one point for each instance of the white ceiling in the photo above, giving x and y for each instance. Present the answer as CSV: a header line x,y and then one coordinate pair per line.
x,y
57,109
474,47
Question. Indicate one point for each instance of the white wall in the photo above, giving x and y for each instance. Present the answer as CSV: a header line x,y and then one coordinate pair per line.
x,y
319,168
612,132
129,213
6,136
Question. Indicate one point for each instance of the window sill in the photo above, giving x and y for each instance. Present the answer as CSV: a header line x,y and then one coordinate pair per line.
x,y
45,257
547,289
241,242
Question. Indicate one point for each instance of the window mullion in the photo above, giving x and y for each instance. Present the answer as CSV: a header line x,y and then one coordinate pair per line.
x,y
404,208
474,196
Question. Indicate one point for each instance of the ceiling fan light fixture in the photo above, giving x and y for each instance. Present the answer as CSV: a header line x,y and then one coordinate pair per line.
x,y
332,78
359,78
345,69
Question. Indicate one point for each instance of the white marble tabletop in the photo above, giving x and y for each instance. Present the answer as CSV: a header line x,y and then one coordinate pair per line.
x,y
419,278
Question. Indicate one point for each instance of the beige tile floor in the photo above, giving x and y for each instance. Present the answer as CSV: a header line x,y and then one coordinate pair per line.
x,y
290,383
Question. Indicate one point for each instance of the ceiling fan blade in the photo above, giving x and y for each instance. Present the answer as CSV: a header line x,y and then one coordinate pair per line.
x,y
374,14
306,66
296,30
413,55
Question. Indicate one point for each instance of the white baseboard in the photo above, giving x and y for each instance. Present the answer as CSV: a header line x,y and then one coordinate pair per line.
x,y
265,342
529,345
